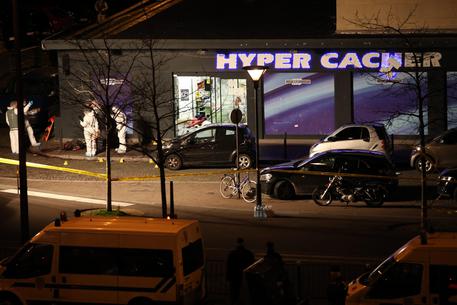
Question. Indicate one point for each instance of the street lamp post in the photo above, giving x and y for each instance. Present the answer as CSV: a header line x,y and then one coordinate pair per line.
x,y
256,73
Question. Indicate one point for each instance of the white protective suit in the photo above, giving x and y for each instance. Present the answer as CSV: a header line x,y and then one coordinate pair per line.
x,y
28,127
121,127
91,131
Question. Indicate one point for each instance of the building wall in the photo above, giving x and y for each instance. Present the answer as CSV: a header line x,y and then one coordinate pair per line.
x,y
193,62
435,16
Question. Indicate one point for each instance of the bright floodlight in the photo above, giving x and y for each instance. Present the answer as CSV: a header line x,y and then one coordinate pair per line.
x,y
255,72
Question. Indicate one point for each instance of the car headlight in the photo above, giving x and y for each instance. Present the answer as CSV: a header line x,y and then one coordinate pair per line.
x,y
446,178
266,177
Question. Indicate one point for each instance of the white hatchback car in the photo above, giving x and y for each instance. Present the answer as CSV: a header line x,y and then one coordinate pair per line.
x,y
354,136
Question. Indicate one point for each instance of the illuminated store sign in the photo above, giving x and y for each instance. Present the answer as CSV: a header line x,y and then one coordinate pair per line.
x,y
329,61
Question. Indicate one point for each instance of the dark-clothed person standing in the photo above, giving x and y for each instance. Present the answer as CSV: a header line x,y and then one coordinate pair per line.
x,y
337,288
238,259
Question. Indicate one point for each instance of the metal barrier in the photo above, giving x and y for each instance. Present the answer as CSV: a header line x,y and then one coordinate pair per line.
x,y
308,277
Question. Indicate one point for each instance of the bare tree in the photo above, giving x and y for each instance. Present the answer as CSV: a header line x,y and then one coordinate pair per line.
x,y
97,81
132,81
414,81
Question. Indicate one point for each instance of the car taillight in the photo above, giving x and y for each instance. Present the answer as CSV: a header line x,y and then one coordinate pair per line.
x,y
383,144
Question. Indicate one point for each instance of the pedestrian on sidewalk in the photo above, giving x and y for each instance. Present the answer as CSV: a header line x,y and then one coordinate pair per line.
x,y
121,126
91,130
336,288
238,259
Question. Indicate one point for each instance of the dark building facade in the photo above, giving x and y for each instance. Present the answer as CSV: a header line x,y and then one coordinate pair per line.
x,y
313,84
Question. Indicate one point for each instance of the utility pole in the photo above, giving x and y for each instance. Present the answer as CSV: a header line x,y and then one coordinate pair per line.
x,y
21,127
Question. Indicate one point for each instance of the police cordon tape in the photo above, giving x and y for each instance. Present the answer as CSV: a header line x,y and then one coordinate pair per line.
x,y
206,173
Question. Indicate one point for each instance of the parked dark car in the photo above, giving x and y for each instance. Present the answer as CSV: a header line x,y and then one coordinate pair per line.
x,y
301,177
213,144
439,153
447,183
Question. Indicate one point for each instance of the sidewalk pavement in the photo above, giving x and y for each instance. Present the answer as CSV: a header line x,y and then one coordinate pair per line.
x,y
55,149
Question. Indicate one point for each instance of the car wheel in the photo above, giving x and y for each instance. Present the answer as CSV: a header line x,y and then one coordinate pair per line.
x,y
9,300
429,166
173,162
283,190
374,196
244,161
454,195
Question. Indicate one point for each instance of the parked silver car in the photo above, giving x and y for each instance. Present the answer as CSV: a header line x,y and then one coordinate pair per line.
x,y
439,153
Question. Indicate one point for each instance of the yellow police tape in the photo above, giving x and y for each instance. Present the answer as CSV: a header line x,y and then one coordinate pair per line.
x,y
51,167
206,173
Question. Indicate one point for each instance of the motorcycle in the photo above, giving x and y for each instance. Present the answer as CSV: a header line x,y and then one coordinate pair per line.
x,y
338,188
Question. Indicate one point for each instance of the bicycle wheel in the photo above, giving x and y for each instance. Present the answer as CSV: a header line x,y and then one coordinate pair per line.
x,y
249,191
227,187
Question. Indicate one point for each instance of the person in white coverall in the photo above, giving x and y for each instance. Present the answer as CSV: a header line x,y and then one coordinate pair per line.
x,y
28,127
91,131
121,127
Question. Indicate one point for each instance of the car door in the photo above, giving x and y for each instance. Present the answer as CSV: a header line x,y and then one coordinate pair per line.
x,y
352,137
446,150
200,147
309,175
88,275
225,144
30,273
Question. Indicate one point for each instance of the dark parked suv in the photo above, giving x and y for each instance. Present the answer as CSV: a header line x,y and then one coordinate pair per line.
x,y
213,144
301,177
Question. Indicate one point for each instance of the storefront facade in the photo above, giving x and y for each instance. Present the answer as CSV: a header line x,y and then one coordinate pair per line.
x,y
307,92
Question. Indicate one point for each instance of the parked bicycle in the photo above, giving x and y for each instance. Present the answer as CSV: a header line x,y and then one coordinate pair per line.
x,y
231,186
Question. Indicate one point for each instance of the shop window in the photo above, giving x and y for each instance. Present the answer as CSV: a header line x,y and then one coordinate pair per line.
x,y
452,99
390,102
200,100
299,103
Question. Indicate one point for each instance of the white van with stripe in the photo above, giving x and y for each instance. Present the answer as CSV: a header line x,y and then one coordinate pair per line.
x,y
108,260
416,274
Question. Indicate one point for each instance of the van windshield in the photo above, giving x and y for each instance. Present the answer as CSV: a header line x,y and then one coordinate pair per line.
x,y
378,272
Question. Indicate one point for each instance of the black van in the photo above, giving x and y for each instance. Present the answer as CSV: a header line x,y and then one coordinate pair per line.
x,y
213,144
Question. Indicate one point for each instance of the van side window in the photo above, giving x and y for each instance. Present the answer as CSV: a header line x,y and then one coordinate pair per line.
x,y
146,262
32,260
401,280
86,260
192,255
443,281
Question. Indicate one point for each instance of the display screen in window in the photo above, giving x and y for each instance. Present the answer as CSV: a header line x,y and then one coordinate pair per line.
x,y
299,103
392,103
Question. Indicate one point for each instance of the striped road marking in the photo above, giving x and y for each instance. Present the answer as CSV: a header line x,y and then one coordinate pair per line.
x,y
66,197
